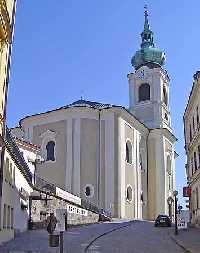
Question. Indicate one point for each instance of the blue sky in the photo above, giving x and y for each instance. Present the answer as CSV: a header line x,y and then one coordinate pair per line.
x,y
67,49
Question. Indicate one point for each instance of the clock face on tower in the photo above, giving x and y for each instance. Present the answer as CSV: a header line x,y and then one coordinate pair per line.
x,y
141,74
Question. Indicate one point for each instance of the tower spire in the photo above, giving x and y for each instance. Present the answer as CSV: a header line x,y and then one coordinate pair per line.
x,y
147,34
148,54
146,21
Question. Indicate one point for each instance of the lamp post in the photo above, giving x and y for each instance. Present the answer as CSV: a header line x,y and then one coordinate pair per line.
x,y
169,202
175,193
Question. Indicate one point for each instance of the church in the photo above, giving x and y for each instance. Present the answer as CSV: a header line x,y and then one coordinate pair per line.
x,y
120,159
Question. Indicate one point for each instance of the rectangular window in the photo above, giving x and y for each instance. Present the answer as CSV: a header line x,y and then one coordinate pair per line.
x,y
190,133
193,122
195,161
192,166
199,154
197,116
7,169
10,174
4,215
12,218
8,217
13,176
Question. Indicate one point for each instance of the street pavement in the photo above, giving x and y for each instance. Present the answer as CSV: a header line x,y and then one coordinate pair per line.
x,y
188,239
113,237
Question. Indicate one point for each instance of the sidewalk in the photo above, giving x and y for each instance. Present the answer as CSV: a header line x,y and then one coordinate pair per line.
x,y
188,239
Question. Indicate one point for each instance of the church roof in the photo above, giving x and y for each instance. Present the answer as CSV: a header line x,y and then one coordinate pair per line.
x,y
86,104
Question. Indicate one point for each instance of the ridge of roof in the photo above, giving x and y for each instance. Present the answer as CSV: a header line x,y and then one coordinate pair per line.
x,y
89,104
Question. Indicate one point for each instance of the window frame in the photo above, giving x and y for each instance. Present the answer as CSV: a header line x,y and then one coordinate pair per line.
x,y
129,152
50,156
91,190
142,97
127,199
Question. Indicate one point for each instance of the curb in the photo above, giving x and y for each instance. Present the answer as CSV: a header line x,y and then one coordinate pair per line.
x,y
108,232
180,244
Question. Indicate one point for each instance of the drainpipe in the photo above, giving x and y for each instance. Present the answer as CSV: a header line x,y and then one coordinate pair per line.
x,y
147,168
98,157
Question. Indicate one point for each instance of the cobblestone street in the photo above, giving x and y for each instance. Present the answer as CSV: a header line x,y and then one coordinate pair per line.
x,y
126,236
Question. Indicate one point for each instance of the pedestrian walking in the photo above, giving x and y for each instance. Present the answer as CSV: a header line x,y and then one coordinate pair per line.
x,y
51,223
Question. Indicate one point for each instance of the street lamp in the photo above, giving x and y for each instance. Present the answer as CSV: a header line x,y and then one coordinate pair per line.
x,y
169,202
175,193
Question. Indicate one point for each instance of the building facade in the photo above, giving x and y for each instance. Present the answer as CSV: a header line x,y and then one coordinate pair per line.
x,y
122,160
16,189
192,147
7,18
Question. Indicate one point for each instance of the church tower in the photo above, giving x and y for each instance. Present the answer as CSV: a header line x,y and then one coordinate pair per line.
x,y
149,84
149,102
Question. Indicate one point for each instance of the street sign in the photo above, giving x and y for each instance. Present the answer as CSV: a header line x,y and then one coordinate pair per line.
x,y
181,222
186,191
60,216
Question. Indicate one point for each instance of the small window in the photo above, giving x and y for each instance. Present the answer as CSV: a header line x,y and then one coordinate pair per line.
x,y
8,217
141,163
89,191
10,174
193,122
129,193
7,165
128,152
144,92
12,218
197,116
165,97
199,154
190,133
197,198
50,147
192,165
4,215
195,161
169,165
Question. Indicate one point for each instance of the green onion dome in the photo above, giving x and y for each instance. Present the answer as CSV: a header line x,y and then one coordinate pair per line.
x,y
148,54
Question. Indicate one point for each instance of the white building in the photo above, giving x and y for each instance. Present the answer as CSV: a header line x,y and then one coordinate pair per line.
x,y
16,188
123,160
192,147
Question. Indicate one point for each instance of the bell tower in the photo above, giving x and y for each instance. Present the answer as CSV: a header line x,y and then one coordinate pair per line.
x,y
149,83
149,102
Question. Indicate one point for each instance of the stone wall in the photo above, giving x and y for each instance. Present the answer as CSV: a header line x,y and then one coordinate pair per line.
x,y
41,209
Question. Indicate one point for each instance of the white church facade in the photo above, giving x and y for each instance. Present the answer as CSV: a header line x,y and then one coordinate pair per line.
x,y
122,160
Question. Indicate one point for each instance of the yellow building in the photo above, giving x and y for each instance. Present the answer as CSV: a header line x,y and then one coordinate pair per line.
x,y
192,147
7,14
7,18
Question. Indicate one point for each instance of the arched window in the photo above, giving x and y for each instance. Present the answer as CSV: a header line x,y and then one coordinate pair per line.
x,y
141,164
87,191
128,152
129,193
50,147
165,96
144,92
169,172
169,165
